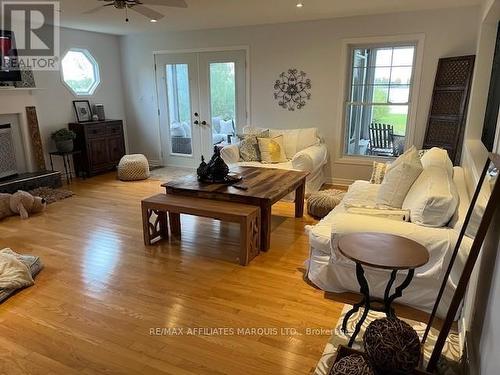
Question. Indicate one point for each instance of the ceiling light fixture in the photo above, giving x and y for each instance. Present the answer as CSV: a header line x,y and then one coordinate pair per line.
x,y
300,5
153,21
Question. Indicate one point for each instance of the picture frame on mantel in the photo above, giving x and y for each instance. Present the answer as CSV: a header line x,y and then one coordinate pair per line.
x,y
82,110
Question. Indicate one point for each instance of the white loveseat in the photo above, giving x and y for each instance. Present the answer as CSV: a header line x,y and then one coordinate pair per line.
x,y
304,150
332,272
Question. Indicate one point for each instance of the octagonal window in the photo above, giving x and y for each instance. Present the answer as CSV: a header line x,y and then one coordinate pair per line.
x,y
80,71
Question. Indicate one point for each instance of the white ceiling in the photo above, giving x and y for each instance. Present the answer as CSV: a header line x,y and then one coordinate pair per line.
x,y
208,14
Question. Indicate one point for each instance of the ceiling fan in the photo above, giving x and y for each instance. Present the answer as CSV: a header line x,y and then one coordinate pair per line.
x,y
139,7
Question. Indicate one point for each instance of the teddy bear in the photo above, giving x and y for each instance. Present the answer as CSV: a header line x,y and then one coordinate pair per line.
x,y
21,203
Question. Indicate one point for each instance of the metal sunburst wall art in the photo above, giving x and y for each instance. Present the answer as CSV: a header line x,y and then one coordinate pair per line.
x,y
292,89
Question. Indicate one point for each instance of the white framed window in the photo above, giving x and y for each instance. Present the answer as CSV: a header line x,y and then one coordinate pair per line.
x,y
80,71
378,103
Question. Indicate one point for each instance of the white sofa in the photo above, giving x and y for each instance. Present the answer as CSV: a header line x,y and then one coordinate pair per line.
x,y
332,272
304,150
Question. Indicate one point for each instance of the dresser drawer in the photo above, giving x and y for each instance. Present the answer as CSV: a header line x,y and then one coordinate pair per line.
x,y
95,131
114,129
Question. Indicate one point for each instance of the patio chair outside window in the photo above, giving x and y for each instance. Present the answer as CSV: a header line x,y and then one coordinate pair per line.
x,y
382,140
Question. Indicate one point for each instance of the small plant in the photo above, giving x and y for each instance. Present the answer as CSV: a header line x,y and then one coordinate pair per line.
x,y
63,135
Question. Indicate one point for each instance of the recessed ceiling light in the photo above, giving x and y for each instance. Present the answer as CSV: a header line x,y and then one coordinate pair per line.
x,y
153,21
299,5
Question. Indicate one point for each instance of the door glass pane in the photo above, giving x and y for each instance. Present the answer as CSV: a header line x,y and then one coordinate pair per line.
x,y
179,109
223,101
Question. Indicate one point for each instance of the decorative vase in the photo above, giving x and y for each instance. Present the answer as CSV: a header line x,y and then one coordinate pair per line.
x,y
215,171
202,170
65,146
217,168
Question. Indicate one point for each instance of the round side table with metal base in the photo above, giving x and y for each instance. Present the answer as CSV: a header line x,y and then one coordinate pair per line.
x,y
382,251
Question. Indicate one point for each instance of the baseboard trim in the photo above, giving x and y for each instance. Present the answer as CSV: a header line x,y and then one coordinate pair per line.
x,y
155,163
471,357
340,181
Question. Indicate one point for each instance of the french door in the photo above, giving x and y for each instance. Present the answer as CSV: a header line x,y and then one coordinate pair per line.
x,y
202,102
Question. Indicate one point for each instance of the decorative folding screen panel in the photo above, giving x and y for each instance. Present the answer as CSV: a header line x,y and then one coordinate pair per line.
x,y
450,99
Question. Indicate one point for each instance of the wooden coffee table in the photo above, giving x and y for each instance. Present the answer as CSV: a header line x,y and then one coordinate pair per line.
x,y
382,251
264,187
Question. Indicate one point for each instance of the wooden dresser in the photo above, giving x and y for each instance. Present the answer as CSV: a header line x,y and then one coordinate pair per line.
x,y
102,145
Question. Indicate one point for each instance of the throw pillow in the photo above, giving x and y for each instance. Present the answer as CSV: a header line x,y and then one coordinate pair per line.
x,y
290,140
398,180
433,198
272,150
177,130
422,152
437,157
407,156
378,173
307,137
226,127
253,130
249,146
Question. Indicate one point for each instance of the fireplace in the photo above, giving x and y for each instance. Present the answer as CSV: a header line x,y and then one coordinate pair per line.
x,y
8,164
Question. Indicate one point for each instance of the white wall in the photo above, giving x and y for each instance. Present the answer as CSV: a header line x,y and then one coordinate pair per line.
x,y
54,100
314,47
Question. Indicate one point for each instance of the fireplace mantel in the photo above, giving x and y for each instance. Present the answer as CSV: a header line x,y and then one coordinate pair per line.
x,y
7,89
14,102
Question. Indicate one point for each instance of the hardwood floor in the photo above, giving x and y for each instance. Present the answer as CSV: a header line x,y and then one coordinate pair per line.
x,y
102,292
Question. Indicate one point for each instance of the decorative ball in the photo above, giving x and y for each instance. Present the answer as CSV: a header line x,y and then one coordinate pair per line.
x,y
354,364
321,203
392,346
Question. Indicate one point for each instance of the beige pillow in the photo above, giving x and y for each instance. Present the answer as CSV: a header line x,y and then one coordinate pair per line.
x,y
378,172
437,157
272,150
398,180
433,198
407,156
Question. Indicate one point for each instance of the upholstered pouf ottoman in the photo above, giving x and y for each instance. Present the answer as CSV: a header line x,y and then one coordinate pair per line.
x,y
323,202
133,168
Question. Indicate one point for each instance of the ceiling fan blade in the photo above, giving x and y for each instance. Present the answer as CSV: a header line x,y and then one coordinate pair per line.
x,y
97,9
148,12
166,3
93,10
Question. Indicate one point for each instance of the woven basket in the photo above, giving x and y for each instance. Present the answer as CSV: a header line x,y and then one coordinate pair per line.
x,y
392,346
354,364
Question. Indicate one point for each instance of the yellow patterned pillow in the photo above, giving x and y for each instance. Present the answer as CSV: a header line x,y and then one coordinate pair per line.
x,y
272,150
